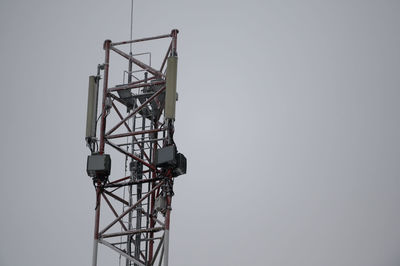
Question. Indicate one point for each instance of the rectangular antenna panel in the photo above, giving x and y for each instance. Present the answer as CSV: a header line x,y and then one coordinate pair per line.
x,y
91,118
170,95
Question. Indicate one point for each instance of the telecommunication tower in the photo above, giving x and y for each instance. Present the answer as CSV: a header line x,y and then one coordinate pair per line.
x,y
140,200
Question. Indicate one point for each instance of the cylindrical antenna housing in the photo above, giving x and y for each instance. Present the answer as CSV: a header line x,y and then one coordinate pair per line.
x,y
170,95
91,118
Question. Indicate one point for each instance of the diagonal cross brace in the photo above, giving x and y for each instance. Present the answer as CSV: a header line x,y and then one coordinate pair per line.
x,y
121,252
136,111
131,208
131,155
138,63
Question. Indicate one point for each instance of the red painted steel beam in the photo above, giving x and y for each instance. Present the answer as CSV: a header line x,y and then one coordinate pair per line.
x,y
131,155
120,180
138,63
105,85
166,57
121,117
142,39
142,181
174,35
134,133
152,202
97,216
116,98
113,210
124,178
132,232
127,127
116,197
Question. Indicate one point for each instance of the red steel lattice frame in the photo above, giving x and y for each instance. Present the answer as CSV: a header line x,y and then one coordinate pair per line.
x,y
158,180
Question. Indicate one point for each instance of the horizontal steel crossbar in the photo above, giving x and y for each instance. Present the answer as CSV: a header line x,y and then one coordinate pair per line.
x,y
135,86
133,232
142,39
134,133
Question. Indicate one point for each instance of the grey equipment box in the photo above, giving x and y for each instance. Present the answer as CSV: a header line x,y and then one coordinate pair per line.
x,y
166,156
160,204
99,166
169,157
180,167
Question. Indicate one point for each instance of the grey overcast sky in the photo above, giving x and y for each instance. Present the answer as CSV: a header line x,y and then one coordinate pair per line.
x,y
288,113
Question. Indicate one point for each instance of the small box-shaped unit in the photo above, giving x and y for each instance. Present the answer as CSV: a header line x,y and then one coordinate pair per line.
x,y
160,204
166,156
180,167
169,157
136,168
99,166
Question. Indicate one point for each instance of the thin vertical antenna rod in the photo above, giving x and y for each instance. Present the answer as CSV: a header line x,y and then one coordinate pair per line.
x,y
129,238
131,32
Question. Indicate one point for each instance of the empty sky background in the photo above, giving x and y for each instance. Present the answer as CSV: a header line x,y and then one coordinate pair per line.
x,y
288,113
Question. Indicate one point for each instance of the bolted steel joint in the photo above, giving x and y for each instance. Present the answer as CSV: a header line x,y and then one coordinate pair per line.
x,y
107,44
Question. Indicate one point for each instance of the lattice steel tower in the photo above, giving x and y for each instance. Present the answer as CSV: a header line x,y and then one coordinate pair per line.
x,y
140,200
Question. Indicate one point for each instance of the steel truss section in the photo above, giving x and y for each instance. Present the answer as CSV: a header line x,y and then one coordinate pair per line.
x,y
140,232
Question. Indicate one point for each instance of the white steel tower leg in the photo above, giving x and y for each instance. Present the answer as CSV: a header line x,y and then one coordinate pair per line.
x,y
166,247
95,249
